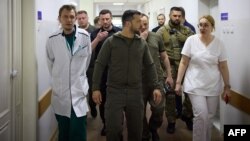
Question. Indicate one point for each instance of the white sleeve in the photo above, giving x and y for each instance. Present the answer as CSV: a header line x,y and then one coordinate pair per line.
x,y
50,56
89,52
223,52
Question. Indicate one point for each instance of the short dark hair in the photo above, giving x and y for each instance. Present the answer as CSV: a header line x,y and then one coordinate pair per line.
x,y
175,9
161,15
82,12
182,12
144,15
67,7
128,15
96,19
105,11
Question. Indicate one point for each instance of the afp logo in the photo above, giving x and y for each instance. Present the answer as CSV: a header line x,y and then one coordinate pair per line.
x,y
241,132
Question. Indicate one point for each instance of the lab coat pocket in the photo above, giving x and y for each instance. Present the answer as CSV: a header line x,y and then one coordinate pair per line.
x,y
84,84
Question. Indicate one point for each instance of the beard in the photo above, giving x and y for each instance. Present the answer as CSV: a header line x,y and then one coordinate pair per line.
x,y
135,30
176,22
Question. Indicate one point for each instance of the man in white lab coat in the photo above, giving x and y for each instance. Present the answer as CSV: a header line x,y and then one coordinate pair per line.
x,y
68,56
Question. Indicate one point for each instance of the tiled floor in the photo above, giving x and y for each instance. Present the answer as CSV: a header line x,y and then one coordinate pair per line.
x,y
182,133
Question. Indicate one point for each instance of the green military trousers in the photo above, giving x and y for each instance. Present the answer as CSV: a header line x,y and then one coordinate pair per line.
x,y
187,111
120,102
156,118
73,128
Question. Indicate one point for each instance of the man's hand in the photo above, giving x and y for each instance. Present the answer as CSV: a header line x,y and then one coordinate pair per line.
x,y
144,34
102,35
157,96
170,81
178,90
97,97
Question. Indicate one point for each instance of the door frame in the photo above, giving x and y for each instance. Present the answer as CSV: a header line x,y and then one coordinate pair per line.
x,y
29,70
16,67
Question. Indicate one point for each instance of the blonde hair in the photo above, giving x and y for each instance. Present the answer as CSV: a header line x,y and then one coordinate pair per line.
x,y
210,20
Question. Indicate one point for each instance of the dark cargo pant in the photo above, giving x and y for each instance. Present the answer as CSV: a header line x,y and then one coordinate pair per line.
x,y
170,110
92,104
118,102
171,105
156,117
187,111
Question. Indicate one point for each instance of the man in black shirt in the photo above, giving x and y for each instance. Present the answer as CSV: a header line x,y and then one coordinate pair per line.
x,y
97,39
161,22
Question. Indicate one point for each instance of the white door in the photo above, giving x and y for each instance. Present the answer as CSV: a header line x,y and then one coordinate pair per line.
x,y
5,68
10,65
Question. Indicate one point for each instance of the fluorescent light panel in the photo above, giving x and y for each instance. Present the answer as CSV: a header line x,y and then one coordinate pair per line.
x,y
118,3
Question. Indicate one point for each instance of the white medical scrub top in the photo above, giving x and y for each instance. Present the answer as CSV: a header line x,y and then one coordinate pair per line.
x,y
203,76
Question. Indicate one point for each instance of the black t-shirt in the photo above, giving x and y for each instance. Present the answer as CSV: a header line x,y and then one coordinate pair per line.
x,y
156,28
98,48
99,45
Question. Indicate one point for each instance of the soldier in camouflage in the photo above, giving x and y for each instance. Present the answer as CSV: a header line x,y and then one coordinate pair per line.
x,y
158,54
174,35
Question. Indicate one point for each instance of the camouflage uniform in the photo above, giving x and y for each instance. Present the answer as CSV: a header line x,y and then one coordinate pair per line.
x,y
156,47
174,38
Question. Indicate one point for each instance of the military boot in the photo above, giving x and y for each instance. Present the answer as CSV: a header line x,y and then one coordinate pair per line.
x,y
188,121
171,128
103,132
155,136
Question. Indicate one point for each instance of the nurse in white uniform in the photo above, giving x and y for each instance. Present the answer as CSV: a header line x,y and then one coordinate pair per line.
x,y
205,62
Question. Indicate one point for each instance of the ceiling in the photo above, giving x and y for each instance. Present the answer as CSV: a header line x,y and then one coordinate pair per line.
x,y
118,9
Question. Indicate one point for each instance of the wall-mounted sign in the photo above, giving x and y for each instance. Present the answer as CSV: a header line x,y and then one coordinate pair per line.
x,y
39,15
224,16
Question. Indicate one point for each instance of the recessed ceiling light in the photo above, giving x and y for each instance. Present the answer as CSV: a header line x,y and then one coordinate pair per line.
x,y
118,3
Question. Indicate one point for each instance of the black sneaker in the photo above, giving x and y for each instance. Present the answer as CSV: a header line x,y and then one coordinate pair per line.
x,y
155,136
103,132
188,121
171,128
189,124
93,112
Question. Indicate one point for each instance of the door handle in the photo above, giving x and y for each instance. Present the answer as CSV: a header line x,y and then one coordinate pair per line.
x,y
13,73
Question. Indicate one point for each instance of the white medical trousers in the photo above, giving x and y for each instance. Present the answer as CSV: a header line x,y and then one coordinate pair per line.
x,y
204,109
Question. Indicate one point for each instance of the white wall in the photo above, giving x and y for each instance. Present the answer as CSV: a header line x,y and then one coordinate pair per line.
x,y
88,6
237,41
50,9
235,34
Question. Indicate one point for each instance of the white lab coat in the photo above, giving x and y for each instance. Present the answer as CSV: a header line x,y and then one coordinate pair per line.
x,y
68,72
